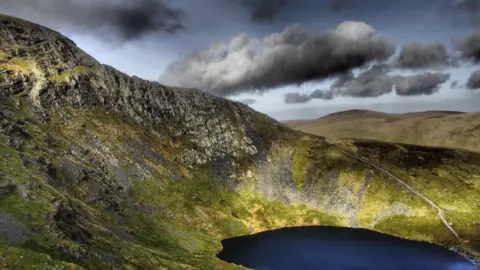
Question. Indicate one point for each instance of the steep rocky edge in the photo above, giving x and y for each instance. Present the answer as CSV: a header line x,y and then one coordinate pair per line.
x,y
99,170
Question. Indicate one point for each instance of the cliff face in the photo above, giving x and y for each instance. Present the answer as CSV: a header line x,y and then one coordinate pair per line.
x,y
99,169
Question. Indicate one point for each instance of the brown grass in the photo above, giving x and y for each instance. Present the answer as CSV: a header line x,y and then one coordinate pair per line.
x,y
445,129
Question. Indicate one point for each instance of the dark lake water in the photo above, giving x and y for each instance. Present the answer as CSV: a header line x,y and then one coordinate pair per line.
x,y
333,248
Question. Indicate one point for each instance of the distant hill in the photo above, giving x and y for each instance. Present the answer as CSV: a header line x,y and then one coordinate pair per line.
x,y
357,113
430,128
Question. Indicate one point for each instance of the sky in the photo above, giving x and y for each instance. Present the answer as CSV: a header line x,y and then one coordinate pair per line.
x,y
290,59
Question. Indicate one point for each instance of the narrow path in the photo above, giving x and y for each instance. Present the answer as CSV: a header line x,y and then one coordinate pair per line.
x,y
398,179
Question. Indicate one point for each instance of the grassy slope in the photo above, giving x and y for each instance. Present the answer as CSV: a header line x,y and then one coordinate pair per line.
x,y
431,129
159,223
94,189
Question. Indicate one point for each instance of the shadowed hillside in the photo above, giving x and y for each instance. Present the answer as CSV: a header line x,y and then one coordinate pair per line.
x,y
99,170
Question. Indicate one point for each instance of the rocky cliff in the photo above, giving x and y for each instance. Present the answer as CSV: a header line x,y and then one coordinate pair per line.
x,y
101,170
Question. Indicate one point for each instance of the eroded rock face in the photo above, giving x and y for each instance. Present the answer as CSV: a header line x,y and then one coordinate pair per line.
x,y
220,128
14,232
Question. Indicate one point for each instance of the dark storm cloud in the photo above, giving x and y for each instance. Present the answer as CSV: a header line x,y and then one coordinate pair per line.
x,y
472,6
119,19
248,101
454,84
469,47
328,94
421,84
474,80
323,94
341,5
371,74
418,55
343,79
317,94
371,83
376,81
294,98
373,88
264,10
467,11
293,56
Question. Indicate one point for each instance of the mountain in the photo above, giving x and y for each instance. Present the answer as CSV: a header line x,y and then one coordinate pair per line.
x,y
431,128
99,170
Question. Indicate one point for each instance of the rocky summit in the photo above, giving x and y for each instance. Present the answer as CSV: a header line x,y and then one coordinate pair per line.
x,y
99,170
